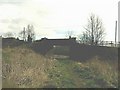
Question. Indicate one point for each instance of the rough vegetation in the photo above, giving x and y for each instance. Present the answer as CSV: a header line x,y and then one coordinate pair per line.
x,y
23,68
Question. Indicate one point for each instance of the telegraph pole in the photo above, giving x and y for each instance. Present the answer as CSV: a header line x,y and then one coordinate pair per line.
x,y
115,32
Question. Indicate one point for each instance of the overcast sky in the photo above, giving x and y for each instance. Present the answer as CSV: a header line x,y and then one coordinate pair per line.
x,y
53,18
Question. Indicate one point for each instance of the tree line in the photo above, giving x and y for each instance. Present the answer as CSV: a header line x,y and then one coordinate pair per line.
x,y
94,32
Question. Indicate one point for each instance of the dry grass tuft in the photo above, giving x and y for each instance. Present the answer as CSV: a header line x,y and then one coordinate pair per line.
x,y
24,68
108,70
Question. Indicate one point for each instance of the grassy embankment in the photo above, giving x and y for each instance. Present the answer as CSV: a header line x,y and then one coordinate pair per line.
x,y
23,68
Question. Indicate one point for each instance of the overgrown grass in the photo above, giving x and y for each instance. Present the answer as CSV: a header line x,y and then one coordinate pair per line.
x,y
106,70
23,68
91,74
26,68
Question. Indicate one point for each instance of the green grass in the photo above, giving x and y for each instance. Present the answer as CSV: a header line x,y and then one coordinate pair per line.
x,y
68,75
73,75
62,75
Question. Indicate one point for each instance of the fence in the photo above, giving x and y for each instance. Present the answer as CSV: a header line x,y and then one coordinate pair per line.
x,y
110,44
105,43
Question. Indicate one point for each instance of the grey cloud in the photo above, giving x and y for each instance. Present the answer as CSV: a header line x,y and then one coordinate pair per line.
x,y
4,21
17,20
14,21
11,27
12,1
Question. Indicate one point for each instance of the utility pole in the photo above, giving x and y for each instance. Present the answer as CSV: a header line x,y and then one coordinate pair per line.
x,y
24,32
115,32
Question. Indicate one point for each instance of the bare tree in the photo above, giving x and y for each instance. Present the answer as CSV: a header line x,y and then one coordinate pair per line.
x,y
84,38
94,33
30,32
27,34
23,34
69,33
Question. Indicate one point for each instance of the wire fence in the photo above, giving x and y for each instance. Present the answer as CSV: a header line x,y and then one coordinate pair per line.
x,y
105,43
110,44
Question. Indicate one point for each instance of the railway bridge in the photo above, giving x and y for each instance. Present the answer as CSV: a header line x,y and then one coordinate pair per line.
x,y
77,51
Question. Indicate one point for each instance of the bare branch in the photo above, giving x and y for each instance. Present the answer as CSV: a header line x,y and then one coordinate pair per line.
x,y
94,33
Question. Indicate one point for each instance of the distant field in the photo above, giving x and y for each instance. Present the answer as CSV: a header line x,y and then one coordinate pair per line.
x,y
24,68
